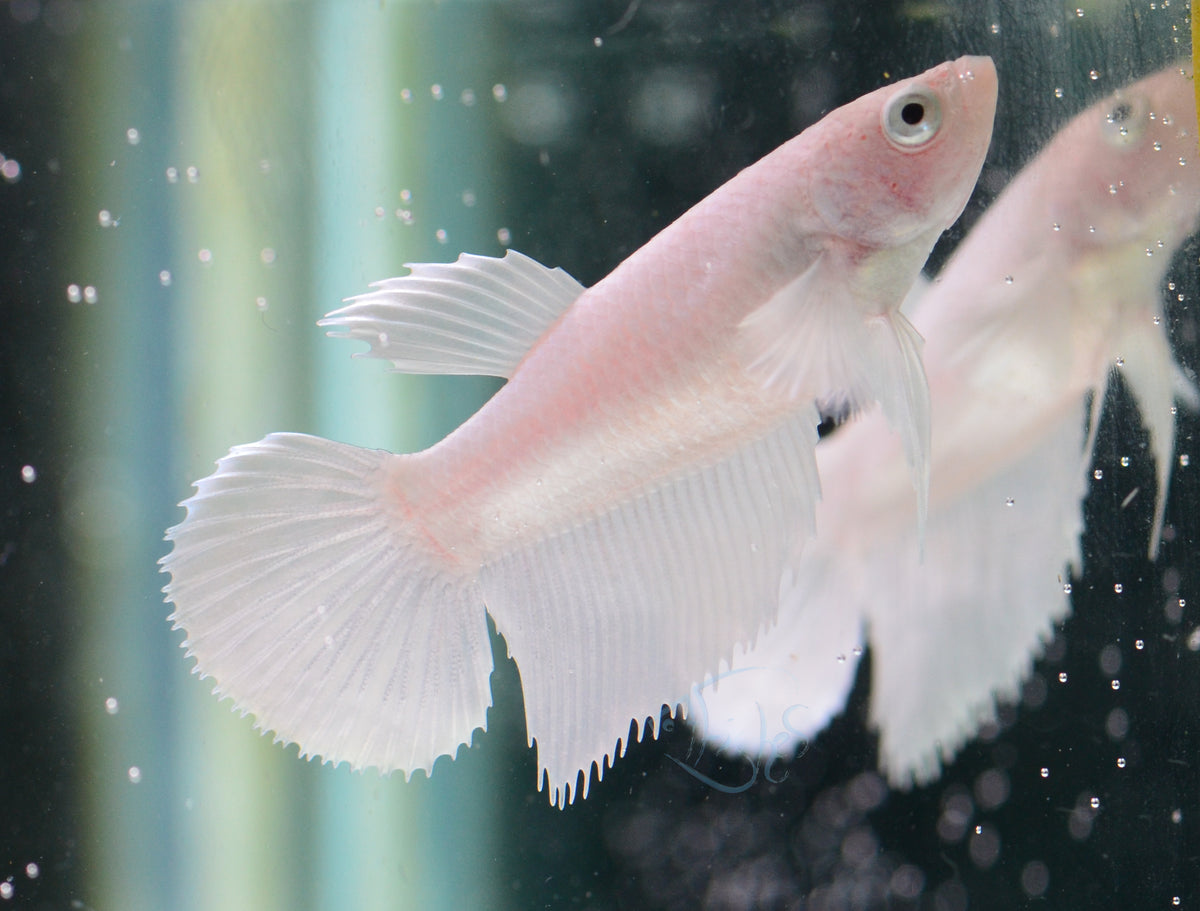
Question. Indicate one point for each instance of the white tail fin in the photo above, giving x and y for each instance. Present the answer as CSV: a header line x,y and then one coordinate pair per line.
x,y
302,593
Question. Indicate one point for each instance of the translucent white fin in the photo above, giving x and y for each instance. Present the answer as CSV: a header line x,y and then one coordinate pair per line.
x,y
622,614
1149,370
783,692
315,609
806,342
479,315
952,635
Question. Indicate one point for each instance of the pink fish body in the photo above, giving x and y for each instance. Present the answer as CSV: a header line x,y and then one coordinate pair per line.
x,y
624,507
1056,289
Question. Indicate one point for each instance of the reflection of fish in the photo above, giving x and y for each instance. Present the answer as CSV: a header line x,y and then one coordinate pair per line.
x,y
1055,289
625,505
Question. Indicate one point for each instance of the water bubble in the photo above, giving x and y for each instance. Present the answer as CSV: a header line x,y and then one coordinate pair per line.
x,y
468,198
172,175
1008,279
133,136
1183,460
32,870
1093,75
467,97
504,236
74,294
437,92
260,304
500,92
1120,763
1177,816
995,28
267,255
193,174
6,890
1124,461
1116,684
164,278
379,212
406,196
1139,644
406,96
1079,14
111,705
1045,772
1057,226
1066,588
1120,362
105,218
598,41
1058,92
205,255
90,295
28,474
10,169
1094,803
1009,501
135,775
440,235
1098,474
1062,677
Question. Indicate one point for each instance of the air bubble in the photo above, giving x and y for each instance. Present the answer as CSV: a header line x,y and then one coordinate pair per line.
x,y
90,295
1008,279
406,96
28,474
10,169
1183,460
1116,684
267,255
1139,644
111,706
1120,762
1045,772
1066,588
74,294
205,255
172,175
135,775
1009,501
500,92
1062,677
261,304
1098,474
133,136
1118,587
1124,461
6,890
437,92
193,174
32,870
467,97
1058,92
164,278
504,236
440,235
468,198
1094,803
1093,74
106,219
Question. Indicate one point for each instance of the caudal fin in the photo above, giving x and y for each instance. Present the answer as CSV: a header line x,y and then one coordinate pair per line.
x,y
315,609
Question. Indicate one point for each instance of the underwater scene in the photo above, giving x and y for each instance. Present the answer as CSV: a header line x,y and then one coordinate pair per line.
x,y
649,454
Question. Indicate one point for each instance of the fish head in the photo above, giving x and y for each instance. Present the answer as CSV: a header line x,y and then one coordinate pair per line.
x,y
900,162
1127,169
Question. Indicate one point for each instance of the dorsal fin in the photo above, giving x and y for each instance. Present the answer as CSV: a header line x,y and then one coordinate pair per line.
x,y
479,315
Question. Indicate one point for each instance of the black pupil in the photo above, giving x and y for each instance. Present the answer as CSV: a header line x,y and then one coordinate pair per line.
x,y
912,113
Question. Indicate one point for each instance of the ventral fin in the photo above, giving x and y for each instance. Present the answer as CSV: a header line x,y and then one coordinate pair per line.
x,y
477,316
813,340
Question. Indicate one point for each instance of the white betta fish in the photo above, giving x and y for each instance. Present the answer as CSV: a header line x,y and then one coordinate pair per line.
x,y
625,505
1056,290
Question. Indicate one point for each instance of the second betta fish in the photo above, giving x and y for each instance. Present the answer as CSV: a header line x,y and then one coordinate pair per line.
x,y
625,506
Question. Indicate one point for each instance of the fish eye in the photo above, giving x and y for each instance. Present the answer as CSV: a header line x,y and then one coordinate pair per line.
x,y
912,118
1125,122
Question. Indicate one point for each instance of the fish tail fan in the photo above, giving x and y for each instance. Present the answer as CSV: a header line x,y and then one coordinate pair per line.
x,y
318,607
